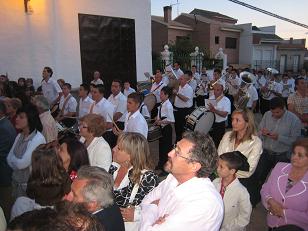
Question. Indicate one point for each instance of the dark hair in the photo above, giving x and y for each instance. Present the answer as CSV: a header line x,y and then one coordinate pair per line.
x,y
49,70
100,88
203,152
33,220
85,86
21,79
217,71
297,80
47,175
69,86
189,73
136,97
167,91
177,63
235,160
194,66
117,81
277,102
33,118
303,142
78,153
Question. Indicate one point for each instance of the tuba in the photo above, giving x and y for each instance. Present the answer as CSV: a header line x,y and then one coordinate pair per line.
x,y
242,97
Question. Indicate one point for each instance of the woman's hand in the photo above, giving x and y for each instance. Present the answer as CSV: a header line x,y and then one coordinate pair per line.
x,y
275,208
128,213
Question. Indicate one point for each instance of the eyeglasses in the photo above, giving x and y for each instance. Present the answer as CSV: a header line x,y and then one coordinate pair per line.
x,y
178,153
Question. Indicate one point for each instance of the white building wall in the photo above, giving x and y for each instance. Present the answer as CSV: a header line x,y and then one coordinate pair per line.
x,y
245,51
50,35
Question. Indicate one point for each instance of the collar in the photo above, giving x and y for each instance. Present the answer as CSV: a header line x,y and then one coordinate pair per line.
x,y
134,115
101,101
117,96
29,137
287,169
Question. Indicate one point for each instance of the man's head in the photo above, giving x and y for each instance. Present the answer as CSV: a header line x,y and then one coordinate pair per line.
x,y
303,72
194,155
66,89
217,74
4,78
193,68
116,87
84,90
218,89
158,77
97,92
184,79
134,101
93,187
41,103
96,75
277,107
177,65
47,73
300,84
126,84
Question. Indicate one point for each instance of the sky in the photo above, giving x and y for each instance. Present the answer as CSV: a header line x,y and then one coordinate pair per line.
x,y
296,10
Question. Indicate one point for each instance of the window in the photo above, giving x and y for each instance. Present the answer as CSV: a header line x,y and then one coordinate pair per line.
x,y
216,39
231,43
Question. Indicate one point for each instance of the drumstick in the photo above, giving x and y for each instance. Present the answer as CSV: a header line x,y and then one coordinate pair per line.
x,y
114,123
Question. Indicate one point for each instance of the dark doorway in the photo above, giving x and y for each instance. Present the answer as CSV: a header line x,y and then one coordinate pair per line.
x,y
107,44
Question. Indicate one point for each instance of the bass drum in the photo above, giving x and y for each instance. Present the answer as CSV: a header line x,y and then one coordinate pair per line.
x,y
200,120
150,101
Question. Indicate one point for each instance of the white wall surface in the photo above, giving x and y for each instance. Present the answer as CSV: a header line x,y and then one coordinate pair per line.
x,y
245,49
50,36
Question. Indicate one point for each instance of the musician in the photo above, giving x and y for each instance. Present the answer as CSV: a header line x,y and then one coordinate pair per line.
x,y
85,101
195,74
164,119
287,88
134,121
253,97
216,77
103,107
183,104
247,89
119,102
177,70
259,83
97,78
143,109
233,82
127,88
298,102
51,89
271,90
157,85
192,81
221,106
67,106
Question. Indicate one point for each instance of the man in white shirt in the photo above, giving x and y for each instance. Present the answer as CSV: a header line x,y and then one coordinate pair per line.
x,y
186,199
85,101
103,107
195,74
183,104
97,78
127,88
177,70
155,89
67,106
220,105
134,120
50,87
119,102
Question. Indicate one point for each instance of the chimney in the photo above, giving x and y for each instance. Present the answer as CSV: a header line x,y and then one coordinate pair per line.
x,y
167,13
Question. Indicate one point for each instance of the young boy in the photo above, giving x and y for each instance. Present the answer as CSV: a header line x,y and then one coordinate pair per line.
x,y
164,119
237,207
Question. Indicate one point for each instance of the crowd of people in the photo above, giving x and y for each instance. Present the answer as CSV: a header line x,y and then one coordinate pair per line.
x,y
84,163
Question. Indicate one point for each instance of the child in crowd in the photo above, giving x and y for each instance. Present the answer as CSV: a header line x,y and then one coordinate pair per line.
x,y
237,207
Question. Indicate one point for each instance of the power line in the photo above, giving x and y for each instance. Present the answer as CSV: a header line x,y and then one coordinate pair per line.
x,y
269,13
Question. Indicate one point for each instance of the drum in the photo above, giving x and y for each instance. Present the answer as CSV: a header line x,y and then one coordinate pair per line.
x,y
154,133
150,101
144,86
200,120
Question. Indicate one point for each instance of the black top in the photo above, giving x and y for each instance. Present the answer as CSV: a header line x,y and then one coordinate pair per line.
x,y
111,218
148,182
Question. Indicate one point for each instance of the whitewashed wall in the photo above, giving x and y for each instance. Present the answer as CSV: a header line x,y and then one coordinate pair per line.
x,y
50,35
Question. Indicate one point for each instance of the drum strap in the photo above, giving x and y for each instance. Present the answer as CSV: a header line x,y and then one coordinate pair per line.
x,y
64,104
157,87
92,106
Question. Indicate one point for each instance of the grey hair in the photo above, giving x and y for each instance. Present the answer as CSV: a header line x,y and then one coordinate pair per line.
x,y
41,102
99,186
203,152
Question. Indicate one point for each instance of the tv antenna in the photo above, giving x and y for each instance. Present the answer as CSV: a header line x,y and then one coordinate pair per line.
x,y
176,4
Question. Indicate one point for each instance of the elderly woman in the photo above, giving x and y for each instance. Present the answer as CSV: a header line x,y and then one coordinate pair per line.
x,y
91,128
285,194
48,182
12,105
131,170
50,130
243,138
19,157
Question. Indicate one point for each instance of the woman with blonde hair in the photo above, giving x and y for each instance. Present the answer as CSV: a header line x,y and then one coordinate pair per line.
x,y
243,138
132,173
91,128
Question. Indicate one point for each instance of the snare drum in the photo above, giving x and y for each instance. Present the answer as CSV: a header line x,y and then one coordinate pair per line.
x,y
200,120
154,133
150,101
